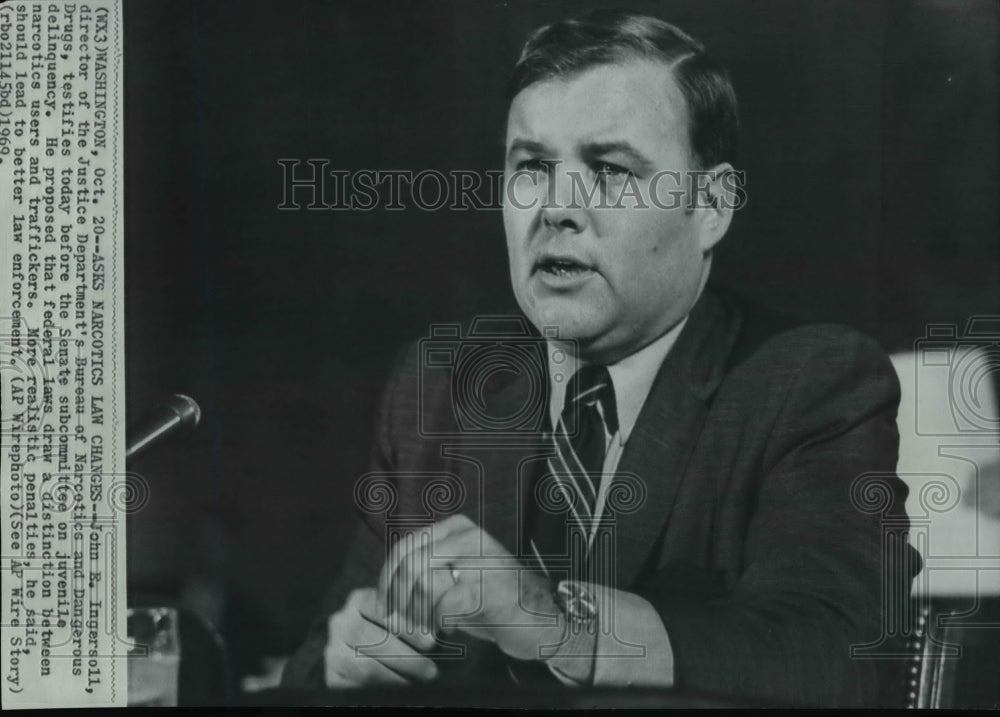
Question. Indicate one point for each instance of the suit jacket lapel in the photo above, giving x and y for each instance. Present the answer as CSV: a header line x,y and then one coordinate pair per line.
x,y
667,430
499,466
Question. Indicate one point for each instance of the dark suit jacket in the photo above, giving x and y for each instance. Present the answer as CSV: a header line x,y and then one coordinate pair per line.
x,y
767,450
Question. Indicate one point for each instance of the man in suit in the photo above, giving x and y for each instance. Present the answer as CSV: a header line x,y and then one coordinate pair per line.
x,y
701,502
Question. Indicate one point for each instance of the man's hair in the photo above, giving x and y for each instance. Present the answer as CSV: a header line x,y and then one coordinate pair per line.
x,y
607,37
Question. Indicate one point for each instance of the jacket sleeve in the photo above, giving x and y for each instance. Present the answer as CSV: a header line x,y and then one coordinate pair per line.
x,y
814,559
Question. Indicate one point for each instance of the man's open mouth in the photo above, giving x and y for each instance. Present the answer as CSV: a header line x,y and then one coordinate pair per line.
x,y
562,267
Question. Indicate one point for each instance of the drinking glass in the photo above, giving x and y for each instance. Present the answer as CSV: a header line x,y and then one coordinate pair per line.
x,y
154,658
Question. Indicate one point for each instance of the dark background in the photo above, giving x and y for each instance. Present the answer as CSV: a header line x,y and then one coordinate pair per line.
x,y
870,147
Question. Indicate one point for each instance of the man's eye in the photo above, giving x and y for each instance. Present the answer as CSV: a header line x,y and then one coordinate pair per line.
x,y
531,165
609,169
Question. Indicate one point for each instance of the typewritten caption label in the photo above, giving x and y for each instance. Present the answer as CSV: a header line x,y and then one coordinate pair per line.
x,y
62,355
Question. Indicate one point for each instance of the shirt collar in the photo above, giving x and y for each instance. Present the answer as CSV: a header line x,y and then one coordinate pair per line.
x,y
632,377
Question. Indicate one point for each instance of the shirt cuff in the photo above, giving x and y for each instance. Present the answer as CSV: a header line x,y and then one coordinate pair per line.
x,y
573,661
626,645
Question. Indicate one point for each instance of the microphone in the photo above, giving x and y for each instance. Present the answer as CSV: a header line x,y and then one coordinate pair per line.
x,y
177,414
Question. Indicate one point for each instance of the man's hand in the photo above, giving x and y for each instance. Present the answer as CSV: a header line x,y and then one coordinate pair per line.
x,y
384,659
505,602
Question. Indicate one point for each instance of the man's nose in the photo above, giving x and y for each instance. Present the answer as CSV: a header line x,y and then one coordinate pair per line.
x,y
563,208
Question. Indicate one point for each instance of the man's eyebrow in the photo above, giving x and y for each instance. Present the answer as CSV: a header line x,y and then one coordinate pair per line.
x,y
529,146
601,149
590,150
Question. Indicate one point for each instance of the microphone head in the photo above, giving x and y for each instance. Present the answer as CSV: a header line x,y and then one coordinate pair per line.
x,y
177,414
186,408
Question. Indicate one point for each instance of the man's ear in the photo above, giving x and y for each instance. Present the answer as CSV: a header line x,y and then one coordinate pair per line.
x,y
718,195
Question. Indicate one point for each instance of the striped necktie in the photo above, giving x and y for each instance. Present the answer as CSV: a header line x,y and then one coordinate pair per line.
x,y
579,441
580,438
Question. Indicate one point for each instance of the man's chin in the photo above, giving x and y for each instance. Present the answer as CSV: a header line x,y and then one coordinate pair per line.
x,y
567,326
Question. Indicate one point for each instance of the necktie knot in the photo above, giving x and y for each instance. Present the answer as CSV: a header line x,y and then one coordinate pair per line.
x,y
589,387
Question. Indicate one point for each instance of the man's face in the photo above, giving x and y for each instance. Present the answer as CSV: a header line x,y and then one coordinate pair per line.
x,y
614,278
